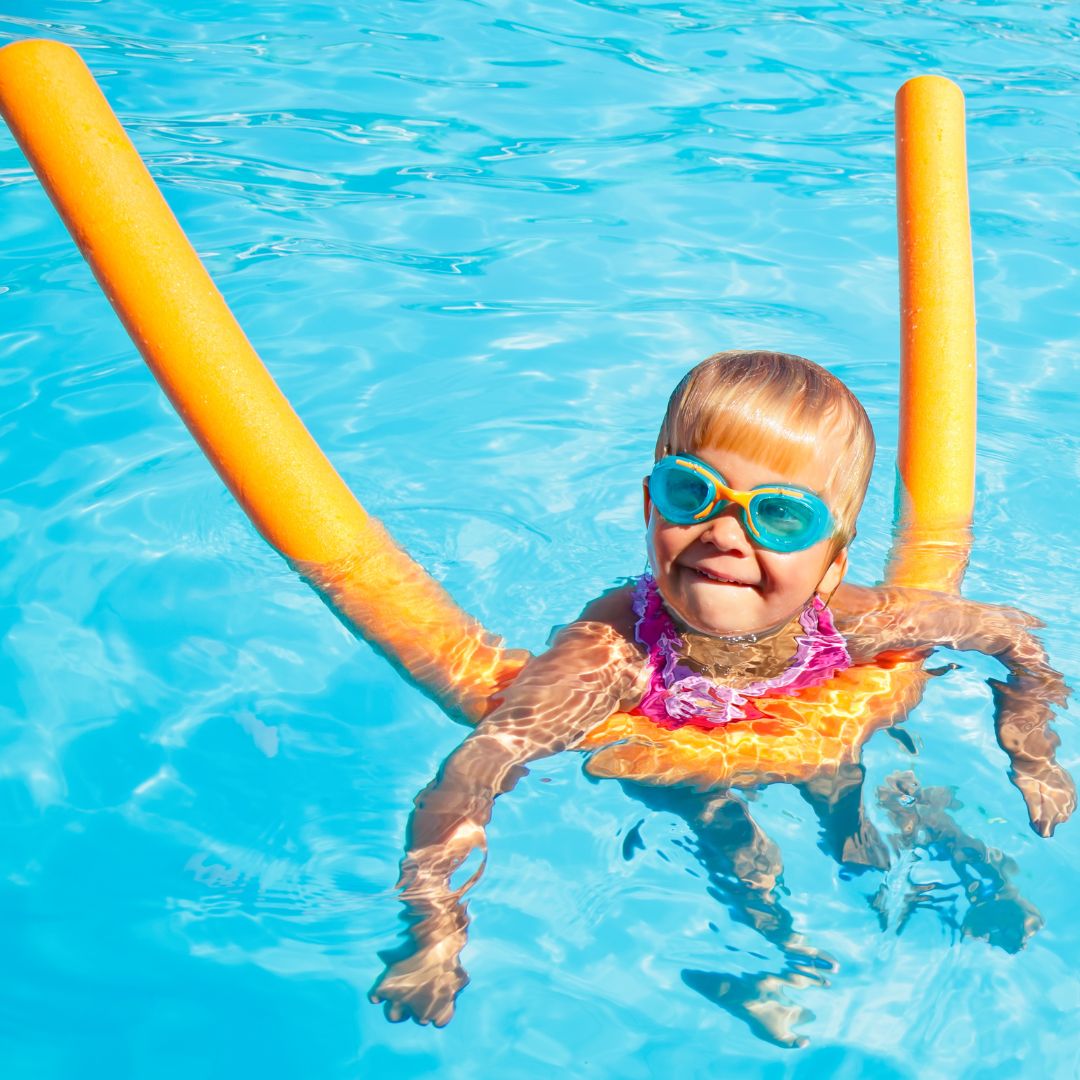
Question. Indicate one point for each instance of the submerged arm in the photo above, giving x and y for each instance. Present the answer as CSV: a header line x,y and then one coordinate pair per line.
x,y
894,618
589,671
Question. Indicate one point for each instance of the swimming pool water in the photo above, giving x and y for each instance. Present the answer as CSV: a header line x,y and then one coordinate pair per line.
x,y
476,244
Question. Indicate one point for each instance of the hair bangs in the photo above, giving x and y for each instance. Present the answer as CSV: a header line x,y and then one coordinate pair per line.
x,y
774,408
782,440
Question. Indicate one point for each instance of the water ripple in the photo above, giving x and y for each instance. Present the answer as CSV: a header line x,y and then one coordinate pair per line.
x,y
477,244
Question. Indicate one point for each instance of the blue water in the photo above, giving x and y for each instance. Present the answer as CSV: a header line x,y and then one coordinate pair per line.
x,y
477,243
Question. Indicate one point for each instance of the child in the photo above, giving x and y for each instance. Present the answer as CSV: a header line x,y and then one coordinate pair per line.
x,y
762,463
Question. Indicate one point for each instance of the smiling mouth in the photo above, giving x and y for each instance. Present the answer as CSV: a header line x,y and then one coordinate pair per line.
x,y
720,579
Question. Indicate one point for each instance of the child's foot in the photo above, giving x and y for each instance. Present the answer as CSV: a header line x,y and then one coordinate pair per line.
x,y
865,850
1005,921
758,1000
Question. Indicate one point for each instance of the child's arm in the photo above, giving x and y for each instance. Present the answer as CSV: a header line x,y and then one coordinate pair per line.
x,y
588,673
894,618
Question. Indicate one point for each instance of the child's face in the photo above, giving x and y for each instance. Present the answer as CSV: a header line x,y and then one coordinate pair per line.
x,y
715,580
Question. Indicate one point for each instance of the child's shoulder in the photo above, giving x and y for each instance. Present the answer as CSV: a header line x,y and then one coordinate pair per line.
x,y
614,608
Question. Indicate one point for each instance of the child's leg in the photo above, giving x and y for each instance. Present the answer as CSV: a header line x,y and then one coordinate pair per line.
x,y
744,867
847,835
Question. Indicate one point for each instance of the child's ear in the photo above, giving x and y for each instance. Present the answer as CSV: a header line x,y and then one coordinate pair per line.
x,y
834,574
648,501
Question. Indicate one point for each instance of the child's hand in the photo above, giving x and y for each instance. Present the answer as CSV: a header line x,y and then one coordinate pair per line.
x,y
1023,714
424,976
1022,717
894,618
1050,796
422,985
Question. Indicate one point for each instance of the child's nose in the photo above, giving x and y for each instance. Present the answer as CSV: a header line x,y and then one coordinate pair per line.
x,y
726,530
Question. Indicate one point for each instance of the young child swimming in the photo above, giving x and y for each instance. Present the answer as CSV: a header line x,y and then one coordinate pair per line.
x,y
761,466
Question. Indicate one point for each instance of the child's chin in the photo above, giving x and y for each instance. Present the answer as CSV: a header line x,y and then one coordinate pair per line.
x,y
726,622
721,609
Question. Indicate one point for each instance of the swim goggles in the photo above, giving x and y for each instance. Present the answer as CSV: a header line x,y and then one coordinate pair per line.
x,y
687,491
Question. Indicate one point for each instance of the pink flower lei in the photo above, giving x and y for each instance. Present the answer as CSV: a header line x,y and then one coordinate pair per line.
x,y
678,696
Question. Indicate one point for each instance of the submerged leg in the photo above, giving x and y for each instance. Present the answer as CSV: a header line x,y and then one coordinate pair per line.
x,y
744,869
847,835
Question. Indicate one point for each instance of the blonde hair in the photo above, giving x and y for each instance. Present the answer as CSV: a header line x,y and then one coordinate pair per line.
x,y
773,407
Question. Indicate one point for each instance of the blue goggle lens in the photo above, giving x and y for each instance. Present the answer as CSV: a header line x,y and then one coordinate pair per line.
x,y
679,494
783,515
782,521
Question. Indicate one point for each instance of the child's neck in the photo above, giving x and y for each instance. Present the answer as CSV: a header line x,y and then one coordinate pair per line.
x,y
733,660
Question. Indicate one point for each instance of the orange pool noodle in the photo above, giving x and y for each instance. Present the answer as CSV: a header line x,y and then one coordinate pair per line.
x,y
219,386
936,454
279,476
